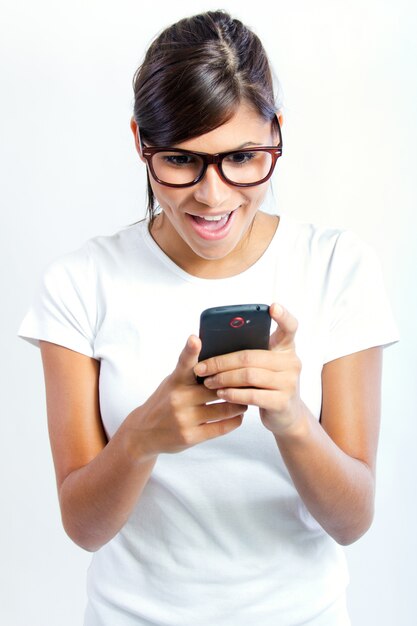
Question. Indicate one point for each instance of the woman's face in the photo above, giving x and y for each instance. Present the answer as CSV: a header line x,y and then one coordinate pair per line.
x,y
181,230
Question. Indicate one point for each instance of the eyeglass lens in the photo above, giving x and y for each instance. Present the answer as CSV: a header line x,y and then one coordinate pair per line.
x,y
240,167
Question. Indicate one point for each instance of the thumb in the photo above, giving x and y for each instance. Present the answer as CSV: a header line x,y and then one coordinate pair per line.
x,y
283,336
188,358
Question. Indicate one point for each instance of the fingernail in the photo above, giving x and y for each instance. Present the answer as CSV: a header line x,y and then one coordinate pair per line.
x,y
279,309
200,369
190,342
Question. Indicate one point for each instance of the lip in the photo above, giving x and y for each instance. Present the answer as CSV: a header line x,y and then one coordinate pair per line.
x,y
209,214
207,234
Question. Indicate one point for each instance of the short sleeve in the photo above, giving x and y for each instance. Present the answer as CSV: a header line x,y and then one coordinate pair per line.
x,y
358,312
63,310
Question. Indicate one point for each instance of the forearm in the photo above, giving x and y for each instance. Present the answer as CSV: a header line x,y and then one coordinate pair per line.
x,y
97,499
337,489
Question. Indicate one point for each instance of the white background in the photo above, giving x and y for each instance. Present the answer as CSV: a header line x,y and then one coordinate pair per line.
x,y
69,171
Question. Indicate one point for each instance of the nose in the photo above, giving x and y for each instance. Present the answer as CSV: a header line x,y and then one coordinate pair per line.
x,y
211,190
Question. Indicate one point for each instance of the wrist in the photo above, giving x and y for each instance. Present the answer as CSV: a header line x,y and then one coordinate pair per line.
x,y
136,441
298,429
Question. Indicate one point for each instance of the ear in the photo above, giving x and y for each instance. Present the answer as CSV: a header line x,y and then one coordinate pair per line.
x,y
135,130
279,116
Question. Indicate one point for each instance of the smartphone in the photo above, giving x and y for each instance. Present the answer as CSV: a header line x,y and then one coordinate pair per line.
x,y
231,328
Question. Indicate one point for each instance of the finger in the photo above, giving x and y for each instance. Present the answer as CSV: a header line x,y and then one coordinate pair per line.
x,y
235,360
270,400
211,430
187,360
246,377
197,395
217,409
221,411
283,336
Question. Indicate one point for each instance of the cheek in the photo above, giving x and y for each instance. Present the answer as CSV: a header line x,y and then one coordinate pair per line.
x,y
256,195
170,199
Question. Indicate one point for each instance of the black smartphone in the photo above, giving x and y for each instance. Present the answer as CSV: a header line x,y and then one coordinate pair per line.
x,y
235,327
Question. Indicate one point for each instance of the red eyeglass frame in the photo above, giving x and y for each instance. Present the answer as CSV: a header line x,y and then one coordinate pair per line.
x,y
212,159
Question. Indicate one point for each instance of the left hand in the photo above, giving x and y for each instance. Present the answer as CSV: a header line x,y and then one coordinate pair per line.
x,y
268,379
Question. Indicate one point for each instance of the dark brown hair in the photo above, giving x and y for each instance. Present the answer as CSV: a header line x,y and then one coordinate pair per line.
x,y
194,76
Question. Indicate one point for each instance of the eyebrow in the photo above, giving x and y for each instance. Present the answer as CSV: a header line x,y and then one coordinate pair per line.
x,y
245,145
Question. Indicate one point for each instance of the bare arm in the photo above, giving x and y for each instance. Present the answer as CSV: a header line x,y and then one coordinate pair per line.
x,y
332,463
100,481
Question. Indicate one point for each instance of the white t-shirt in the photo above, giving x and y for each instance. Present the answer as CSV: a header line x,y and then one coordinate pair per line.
x,y
220,535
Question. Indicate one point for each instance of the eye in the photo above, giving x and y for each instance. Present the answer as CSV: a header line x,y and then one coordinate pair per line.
x,y
179,160
240,158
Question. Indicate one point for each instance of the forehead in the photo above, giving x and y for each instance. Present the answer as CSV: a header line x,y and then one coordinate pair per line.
x,y
246,126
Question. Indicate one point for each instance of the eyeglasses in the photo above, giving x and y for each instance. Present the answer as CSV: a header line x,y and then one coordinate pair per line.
x,y
246,167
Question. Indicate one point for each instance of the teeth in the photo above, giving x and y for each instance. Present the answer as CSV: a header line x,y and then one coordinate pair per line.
x,y
215,218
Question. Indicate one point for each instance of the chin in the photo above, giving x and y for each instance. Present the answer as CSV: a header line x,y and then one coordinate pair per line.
x,y
213,252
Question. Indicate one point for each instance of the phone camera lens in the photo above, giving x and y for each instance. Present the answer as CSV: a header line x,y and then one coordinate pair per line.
x,y
237,322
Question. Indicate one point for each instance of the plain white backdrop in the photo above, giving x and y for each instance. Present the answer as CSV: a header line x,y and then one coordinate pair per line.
x,y
69,171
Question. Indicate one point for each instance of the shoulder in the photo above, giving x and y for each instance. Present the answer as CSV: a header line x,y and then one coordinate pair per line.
x,y
318,238
117,245
339,288
317,249
98,252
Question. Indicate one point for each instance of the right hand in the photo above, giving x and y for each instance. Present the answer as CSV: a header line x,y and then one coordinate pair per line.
x,y
176,416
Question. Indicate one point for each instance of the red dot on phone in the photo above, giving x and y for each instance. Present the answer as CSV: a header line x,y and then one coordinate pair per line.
x,y
237,322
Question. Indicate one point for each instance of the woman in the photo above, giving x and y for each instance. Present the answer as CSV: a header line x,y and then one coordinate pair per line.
x,y
200,511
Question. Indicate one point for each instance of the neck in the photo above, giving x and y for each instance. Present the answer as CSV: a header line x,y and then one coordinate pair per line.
x,y
250,248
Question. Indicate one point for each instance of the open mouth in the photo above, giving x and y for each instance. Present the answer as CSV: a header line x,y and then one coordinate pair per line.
x,y
212,222
212,227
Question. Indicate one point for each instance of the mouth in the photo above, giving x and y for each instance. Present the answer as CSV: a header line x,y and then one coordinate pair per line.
x,y
212,227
